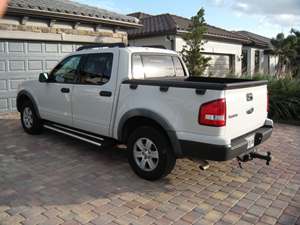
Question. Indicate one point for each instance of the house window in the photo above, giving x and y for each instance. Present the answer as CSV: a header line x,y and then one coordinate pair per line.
x,y
231,64
244,62
257,61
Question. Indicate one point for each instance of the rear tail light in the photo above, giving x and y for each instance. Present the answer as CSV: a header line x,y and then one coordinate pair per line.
x,y
213,113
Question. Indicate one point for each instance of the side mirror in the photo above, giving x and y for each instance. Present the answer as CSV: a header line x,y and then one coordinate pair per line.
x,y
43,77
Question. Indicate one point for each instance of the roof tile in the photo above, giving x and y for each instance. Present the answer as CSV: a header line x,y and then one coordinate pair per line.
x,y
170,24
256,39
69,7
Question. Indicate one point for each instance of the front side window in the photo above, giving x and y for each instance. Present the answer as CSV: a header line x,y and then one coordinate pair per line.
x,y
147,66
66,71
96,69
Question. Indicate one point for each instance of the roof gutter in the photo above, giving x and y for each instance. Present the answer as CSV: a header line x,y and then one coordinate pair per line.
x,y
60,15
258,44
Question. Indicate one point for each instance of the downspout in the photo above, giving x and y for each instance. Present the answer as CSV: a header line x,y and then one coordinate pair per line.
x,y
173,43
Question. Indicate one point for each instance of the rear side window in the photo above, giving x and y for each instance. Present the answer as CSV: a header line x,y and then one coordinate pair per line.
x,y
137,67
147,66
96,69
178,67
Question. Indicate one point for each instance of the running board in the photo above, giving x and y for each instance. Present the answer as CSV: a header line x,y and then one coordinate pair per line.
x,y
75,134
80,133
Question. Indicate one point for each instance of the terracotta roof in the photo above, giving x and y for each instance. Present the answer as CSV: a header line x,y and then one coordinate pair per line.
x,y
256,39
167,24
66,8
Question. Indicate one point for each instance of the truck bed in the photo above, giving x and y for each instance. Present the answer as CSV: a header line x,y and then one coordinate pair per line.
x,y
179,99
210,83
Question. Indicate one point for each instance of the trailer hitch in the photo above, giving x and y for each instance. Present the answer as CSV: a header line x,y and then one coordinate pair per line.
x,y
254,155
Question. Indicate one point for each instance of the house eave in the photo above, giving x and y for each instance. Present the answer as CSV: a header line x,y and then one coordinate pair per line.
x,y
65,16
150,34
217,37
257,45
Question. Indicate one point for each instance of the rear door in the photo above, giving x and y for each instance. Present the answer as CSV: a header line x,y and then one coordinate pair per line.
x,y
246,110
93,96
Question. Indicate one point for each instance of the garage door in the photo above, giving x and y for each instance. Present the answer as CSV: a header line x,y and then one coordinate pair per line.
x,y
24,60
219,65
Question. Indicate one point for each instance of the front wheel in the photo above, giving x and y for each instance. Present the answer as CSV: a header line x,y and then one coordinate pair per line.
x,y
150,154
30,121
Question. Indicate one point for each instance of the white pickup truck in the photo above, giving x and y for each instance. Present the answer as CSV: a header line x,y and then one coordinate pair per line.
x,y
146,99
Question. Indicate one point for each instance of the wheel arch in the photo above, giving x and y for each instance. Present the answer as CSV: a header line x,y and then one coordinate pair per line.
x,y
137,117
26,96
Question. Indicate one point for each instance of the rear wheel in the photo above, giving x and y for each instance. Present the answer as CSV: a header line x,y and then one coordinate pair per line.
x,y
150,154
30,121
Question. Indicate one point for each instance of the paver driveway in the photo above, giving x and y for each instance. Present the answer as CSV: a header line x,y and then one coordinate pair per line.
x,y
53,179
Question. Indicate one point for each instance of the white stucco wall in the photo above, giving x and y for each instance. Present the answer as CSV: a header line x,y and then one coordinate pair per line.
x,y
158,40
270,64
263,65
250,60
273,64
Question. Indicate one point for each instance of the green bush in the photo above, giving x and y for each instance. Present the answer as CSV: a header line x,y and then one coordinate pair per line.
x,y
284,98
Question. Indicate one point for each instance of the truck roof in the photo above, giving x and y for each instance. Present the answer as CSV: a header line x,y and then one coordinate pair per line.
x,y
149,49
127,49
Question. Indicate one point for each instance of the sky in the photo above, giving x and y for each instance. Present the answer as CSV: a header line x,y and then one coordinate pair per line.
x,y
264,17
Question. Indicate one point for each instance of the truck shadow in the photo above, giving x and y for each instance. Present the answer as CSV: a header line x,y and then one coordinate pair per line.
x,y
51,168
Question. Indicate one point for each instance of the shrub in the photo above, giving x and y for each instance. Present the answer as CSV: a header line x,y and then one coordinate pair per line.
x,y
284,97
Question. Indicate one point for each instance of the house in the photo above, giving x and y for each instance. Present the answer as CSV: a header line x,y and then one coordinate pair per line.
x,y
166,30
231,52
35,34
258,55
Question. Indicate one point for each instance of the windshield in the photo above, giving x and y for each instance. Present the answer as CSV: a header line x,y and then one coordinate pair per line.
x,y
148,66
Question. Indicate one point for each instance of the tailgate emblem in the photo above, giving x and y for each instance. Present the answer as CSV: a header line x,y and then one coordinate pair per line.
x,y
249,97
250,111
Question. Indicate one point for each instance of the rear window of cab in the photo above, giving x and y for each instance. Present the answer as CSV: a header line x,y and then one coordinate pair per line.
x,y
150,65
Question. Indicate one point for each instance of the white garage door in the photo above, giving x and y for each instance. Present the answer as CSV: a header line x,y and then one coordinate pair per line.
x,y
24,60
219,65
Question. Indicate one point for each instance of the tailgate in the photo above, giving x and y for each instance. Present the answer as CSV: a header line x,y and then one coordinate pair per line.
x,y
246,110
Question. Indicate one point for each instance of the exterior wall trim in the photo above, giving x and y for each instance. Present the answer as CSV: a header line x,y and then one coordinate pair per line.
x,y
26,35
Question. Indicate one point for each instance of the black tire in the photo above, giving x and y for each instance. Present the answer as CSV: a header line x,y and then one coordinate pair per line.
x,y
36,124
166,158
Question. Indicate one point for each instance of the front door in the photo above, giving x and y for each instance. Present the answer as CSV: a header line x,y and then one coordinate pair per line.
x,y
55,96
94,94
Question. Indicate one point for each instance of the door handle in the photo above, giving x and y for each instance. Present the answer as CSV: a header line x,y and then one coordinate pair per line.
x,y
105,93
65,90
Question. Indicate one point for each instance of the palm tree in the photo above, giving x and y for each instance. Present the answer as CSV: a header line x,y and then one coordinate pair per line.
x,y
296,62
282,48
288,51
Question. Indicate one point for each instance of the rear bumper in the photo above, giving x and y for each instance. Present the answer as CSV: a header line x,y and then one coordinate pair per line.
x,y
238,146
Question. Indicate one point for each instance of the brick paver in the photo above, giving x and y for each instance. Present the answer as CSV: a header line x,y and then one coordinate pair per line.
x,y
54,179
